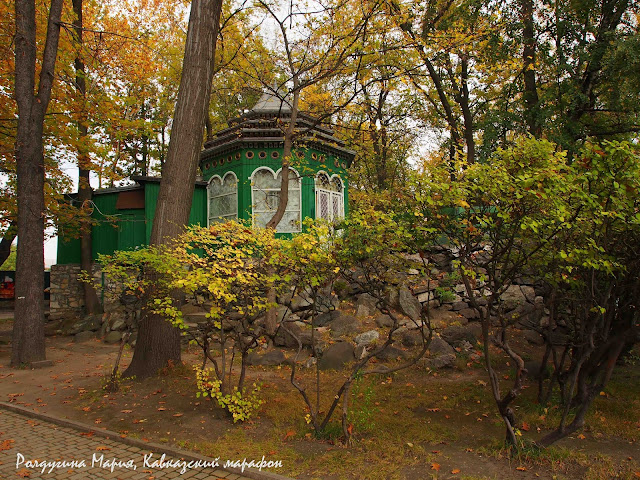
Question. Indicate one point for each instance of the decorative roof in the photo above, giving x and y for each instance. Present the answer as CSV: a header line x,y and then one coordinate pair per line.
x,y
273,101
265,123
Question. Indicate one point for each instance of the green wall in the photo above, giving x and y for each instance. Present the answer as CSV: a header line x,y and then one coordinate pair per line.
x,y
197,215
307,166
124,229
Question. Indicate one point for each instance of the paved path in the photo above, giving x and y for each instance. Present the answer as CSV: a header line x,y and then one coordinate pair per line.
x,y
28,439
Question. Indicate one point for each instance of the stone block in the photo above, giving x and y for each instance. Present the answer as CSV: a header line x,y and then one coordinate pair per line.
x,y
337,356
409,304
367,338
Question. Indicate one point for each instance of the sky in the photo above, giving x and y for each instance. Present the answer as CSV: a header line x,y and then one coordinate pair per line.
x,y
50,250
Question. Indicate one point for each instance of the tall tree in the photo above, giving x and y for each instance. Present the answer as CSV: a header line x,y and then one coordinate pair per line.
x,y
316,46
28,330
530,95
91,303
158,341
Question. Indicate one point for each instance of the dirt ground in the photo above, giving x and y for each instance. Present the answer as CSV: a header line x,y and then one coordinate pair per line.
x,y
427,426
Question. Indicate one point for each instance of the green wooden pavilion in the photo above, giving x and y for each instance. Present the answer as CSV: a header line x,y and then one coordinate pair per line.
x,y
240,168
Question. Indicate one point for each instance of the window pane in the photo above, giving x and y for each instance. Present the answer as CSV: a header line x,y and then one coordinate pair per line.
x,y
214,207
223,199
266,198
322,181
322,206
338,204
294,181
215,187
294,200
264,179
233,204
260,200
230,183
224,205
290,222
261,219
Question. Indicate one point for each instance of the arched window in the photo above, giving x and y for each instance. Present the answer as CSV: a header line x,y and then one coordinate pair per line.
x,y
329,197
222,196
265,197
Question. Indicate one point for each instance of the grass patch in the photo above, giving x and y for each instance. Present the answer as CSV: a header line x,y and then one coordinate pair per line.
x,y
616,411
400,423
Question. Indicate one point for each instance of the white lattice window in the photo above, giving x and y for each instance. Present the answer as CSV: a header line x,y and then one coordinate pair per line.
x,y
222,198
265,196
329,197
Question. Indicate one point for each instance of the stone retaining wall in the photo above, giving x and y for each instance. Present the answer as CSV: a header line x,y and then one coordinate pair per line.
x,y
66,295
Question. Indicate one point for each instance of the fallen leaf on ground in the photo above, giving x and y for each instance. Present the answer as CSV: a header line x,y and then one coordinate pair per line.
x,y
6,445
289,435
455,470
525,426
178,414
102,448
435,466
126,411
521,469
24,473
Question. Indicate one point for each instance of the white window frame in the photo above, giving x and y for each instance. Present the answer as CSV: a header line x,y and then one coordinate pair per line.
x,y
333,196
233,215
281,228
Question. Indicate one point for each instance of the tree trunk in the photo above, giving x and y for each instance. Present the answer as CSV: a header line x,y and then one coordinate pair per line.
x,y
28,330
530,96
286,158
91,303
158,343
271,317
